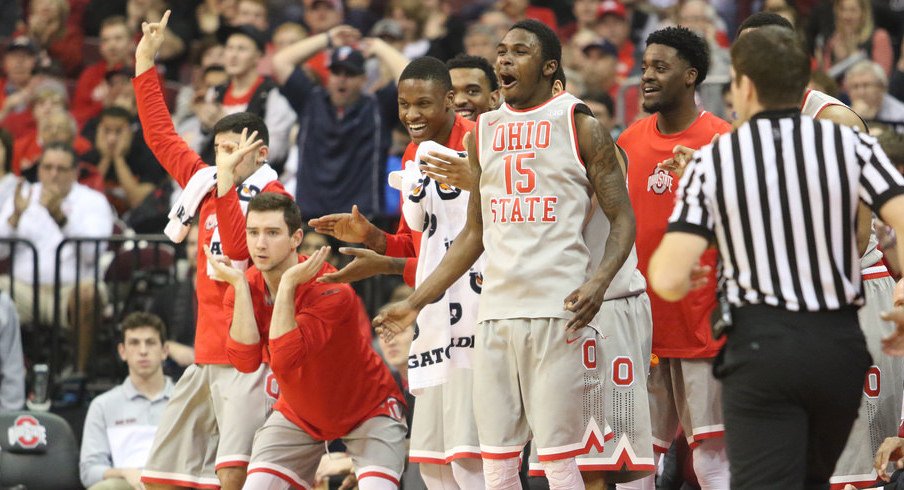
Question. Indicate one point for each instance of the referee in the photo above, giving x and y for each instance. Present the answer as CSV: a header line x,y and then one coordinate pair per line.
x,y
778,197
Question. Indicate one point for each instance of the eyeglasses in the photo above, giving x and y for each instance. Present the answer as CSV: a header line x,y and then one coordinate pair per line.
x,y
55,168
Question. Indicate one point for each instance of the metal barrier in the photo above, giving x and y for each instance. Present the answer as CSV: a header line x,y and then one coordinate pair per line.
x,y
13,244
132,255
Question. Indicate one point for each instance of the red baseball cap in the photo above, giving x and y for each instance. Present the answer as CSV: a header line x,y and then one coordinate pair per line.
x,y
611,7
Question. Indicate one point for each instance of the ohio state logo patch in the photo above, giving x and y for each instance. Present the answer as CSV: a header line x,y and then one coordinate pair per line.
x,y
659,181
27,432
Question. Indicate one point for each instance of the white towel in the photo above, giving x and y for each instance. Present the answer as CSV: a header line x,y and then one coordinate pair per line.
x,y
187,205
444,335
198,186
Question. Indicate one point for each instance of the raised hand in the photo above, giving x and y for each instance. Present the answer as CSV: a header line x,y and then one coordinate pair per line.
x,y
305,271
151,40
349,227
366,263
450,170
395,318
230,154
223,270
343,35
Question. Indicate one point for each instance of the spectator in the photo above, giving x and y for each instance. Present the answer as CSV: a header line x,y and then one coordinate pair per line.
x,y
248,91
518,10
59,43
48,96
378,74
203,109
252,12
480,40
603,109
867,86
12,363
47,213
284,35
613,26
57,126
121,423
344,133
117,47
178,32
584,18
700,17
320,16
177,306
211,14
855,39
600,71
209,53
16,87
128,169
8,179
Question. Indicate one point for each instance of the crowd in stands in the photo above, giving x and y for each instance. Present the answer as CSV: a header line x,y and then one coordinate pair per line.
x,y
321,73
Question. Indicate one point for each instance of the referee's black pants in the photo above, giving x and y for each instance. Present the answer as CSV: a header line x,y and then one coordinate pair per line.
x,y
791,389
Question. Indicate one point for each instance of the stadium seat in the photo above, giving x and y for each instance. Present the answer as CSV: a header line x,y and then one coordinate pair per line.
x,y
38,451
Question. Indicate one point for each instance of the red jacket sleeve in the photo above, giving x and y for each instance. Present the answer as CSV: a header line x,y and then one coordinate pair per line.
x,y
332,308
171,150
231,222
245,357
401,244
410,272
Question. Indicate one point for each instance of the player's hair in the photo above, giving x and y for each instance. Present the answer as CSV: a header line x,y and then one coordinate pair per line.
x,y
462,60
271,201
116,20
115,112
235,123
63,147
560,76
753,55
550,46
690,47
763,19
428,68
141,319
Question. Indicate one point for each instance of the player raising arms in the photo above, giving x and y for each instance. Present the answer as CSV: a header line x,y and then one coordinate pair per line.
x,y
205,433
332,383
539,160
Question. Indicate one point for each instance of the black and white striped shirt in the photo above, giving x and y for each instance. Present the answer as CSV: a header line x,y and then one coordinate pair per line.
x,y
779,197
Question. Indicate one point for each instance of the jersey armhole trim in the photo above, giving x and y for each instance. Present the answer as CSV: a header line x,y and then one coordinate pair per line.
x,y
575,147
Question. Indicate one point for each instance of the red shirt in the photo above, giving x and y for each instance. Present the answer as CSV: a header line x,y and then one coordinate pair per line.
x,y
330,379
27,150
18,123
681,329
181,162
84,107
405,242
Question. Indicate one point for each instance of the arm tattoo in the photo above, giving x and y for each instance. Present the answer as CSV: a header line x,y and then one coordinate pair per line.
x,y
605,174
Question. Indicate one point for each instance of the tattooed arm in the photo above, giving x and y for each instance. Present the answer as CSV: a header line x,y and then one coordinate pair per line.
x,y
599,155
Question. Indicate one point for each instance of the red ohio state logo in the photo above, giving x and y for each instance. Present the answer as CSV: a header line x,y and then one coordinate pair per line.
x,y
27,432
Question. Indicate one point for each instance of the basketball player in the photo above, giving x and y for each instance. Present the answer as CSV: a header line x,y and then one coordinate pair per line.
x,y
880,407
475,88
475,91
682,388
333,384
539,161
205,433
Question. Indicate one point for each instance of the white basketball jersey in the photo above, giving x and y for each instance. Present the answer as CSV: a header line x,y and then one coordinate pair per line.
x,y
542,232
814,102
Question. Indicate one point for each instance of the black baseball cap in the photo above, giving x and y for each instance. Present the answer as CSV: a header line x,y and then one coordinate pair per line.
x,y
348,59
259,37
23,43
